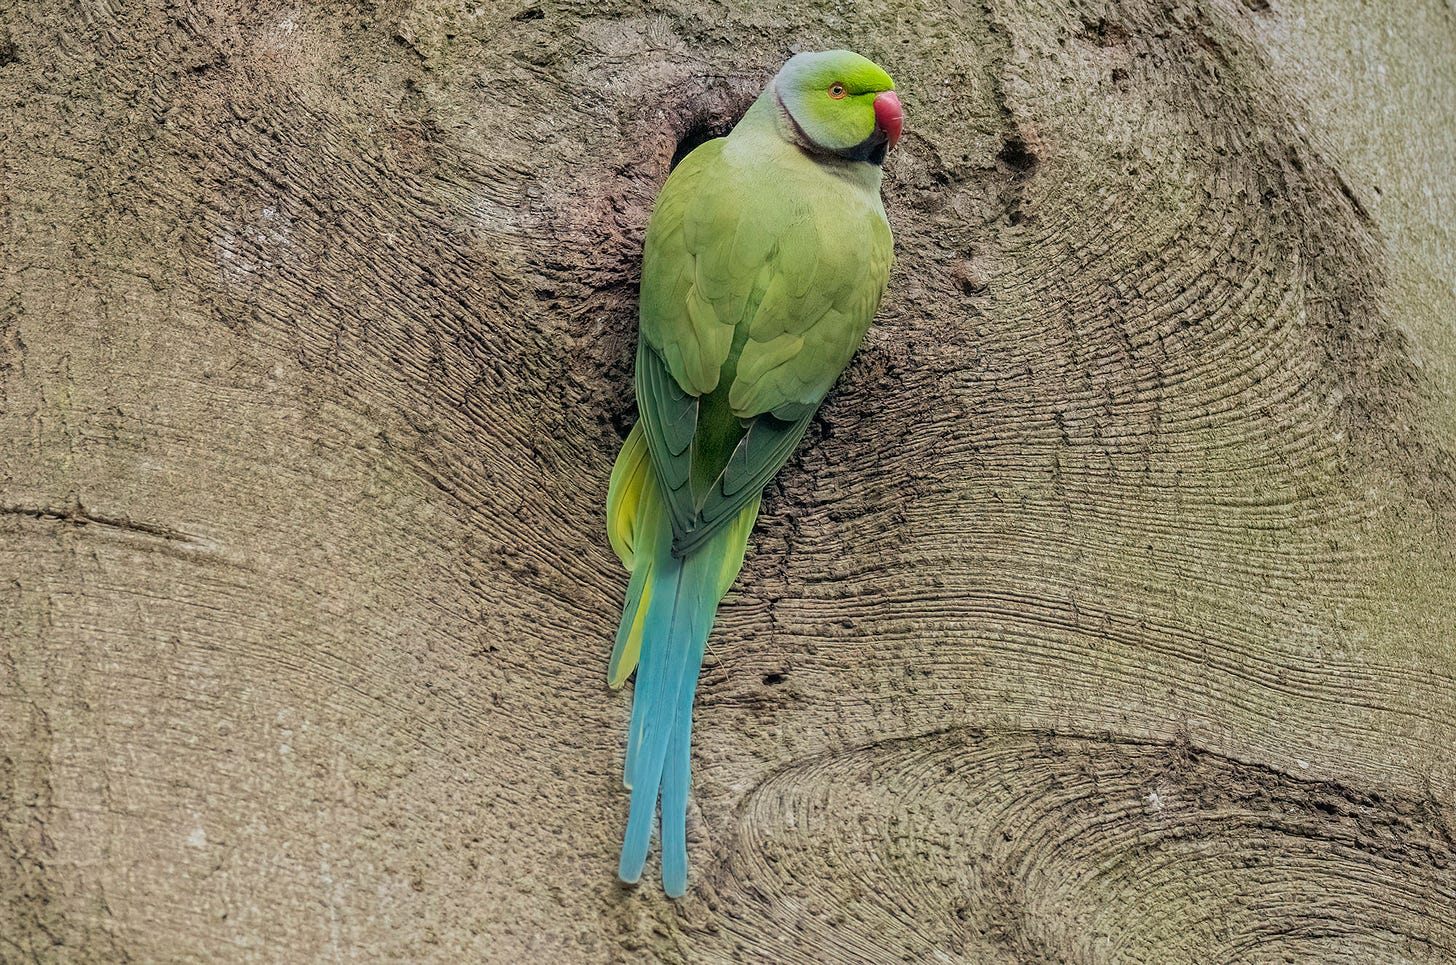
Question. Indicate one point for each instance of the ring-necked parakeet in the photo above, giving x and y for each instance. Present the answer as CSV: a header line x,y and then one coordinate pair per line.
x,y
766,256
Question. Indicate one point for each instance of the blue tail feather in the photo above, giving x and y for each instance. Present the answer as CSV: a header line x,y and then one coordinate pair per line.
x,y
649,726
675,780
675,633
676,599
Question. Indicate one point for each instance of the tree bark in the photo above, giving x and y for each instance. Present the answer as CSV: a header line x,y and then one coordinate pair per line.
x,y
1106,613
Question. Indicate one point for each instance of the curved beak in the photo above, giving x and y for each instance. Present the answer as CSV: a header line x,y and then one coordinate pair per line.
x,y
889,117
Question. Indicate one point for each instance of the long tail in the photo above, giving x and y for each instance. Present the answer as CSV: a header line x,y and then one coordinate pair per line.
x,y
671,602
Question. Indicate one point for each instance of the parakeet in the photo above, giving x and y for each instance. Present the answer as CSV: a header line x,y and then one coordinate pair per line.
x,y
766,257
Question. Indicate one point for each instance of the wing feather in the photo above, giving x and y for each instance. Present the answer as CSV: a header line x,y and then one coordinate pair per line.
x,y
798,345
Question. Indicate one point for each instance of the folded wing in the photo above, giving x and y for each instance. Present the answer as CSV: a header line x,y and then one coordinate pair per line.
x,y
752,305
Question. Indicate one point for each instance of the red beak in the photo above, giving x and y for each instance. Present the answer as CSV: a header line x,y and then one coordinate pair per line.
x,y
888,115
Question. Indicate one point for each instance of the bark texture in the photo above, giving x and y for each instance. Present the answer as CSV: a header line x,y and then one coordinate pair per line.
x,y
1105,615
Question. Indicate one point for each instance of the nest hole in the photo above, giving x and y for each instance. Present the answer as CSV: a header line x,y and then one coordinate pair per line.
x,y
718,111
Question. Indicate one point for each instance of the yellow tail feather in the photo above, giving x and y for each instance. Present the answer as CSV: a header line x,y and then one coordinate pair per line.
x,y
632,647
630,477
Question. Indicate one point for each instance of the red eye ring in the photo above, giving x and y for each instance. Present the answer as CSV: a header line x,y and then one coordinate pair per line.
x,y
837,91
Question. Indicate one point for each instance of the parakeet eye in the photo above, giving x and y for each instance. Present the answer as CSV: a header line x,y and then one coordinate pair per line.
x,y
837,91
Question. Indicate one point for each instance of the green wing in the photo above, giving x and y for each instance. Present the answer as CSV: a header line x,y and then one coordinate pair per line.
x,y
687,313
829,272
754,298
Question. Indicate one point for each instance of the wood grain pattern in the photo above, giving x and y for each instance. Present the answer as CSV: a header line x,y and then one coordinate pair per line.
x,y
1037,847
1105,615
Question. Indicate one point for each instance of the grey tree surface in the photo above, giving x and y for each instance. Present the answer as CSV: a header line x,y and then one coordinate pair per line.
x,y
1105,615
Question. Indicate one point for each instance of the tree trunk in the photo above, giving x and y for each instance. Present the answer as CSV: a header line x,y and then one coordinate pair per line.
x,y
1105,614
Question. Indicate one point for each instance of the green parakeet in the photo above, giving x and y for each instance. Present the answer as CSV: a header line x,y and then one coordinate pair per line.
x,y
766,257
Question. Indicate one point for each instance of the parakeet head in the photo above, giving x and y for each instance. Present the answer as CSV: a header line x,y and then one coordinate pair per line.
x,y
840,104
